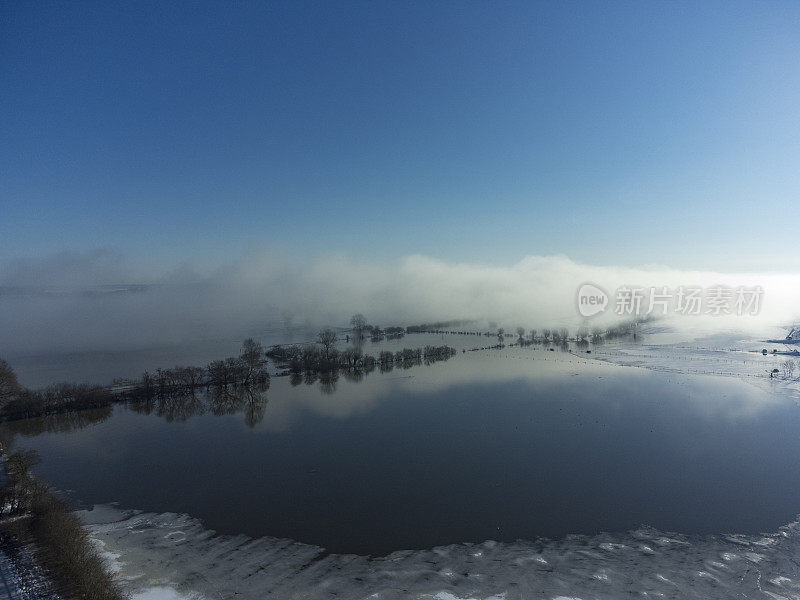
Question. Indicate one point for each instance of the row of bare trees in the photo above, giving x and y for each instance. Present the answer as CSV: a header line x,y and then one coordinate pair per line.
x,y
582,334
324,357
54,399
248,369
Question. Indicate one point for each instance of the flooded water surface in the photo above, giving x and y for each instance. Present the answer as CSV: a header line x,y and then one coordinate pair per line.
x,y
500,445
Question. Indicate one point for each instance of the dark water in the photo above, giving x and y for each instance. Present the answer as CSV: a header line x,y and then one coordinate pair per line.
x,y
493,445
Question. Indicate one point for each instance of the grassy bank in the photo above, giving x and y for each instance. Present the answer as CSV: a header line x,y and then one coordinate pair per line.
x,y
32,515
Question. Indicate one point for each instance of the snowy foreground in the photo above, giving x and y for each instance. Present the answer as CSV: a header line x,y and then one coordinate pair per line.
x,y
22,578
171,556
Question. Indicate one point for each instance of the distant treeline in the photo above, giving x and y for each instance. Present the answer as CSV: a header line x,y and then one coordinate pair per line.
x,y
360,327
315,359
435,327
390,333
556,336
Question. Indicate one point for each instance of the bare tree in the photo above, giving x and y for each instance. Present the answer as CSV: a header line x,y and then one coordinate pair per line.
x,y
220,374
327,382
501,333
252,357
533,335
788,367
545,334
9,386
327,337
359,323
351,357
189,377
521,332
255,404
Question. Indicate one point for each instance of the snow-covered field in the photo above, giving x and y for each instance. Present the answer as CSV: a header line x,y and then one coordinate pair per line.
x,y
726,354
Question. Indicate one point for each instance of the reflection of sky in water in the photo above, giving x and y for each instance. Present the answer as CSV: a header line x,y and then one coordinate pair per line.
x,y
519,444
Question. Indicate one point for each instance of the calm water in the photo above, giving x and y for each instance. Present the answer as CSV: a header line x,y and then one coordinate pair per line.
x,y
501,445
102,367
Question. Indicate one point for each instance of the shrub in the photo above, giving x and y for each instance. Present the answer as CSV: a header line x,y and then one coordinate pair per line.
x,y
62,545
65,550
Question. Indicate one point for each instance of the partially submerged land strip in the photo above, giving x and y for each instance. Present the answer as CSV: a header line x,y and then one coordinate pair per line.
x,y
236,376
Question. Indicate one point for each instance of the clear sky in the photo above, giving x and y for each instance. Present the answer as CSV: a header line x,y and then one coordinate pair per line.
x,y
614,133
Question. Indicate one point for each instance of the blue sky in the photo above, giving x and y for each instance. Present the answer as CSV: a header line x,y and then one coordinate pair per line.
x,y
614,133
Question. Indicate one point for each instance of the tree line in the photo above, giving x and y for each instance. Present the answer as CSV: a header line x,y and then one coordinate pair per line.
x,y
525,337
326,358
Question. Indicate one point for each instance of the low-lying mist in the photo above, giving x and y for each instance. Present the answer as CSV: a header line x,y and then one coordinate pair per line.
x,y
101,301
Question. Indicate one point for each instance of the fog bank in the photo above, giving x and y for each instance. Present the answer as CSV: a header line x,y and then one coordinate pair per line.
x,y
103,301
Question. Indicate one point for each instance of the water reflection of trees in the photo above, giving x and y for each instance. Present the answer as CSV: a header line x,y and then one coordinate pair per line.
x,y
355,375
351,362
180,407
327,382
58,423
255,405
250,400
